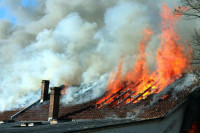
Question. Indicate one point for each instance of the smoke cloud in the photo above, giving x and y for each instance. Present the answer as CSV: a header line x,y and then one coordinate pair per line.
x,y
72,42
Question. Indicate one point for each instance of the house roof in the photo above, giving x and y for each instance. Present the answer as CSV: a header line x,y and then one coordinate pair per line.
x,y
145,109
6,114
88,110
82,125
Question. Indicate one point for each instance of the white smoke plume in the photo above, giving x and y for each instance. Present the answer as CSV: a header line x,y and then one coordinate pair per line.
x,y
72,42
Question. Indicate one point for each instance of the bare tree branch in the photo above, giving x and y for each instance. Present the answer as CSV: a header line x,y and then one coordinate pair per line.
x,y
190,9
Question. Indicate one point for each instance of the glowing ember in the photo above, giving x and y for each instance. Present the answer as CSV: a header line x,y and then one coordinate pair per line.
x,y
171,62
194,128
164,96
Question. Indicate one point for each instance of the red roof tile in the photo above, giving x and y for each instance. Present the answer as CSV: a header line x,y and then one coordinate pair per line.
x,y
6,114
141,110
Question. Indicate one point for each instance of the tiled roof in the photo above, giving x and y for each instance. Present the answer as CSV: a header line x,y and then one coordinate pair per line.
x,y
142,110
39,112
6,114
162,107
89,111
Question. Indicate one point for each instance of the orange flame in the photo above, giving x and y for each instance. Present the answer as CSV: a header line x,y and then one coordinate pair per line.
x,y
171,62
170,58
164,96
64,91
181,9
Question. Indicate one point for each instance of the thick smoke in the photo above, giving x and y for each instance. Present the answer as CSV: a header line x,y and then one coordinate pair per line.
x,y
72,42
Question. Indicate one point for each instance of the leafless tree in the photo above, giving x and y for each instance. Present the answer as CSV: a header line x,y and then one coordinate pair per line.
x,y
190,9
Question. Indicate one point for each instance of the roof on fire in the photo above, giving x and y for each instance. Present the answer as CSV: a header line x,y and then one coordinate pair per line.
x,y
80,125
146,109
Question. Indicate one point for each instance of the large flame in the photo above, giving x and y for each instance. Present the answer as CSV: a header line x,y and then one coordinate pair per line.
x,y
171,61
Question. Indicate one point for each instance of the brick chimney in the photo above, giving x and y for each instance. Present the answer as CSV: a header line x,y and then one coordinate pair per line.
x,y
44,90
54,103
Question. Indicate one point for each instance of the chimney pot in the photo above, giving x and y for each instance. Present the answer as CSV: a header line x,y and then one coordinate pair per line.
x,y
44,90
54,103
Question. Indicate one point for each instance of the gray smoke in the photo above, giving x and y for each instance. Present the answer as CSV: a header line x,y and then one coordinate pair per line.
x,y
72,42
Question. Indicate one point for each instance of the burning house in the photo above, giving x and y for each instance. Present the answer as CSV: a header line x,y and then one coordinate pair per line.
x,y
160,95
174,110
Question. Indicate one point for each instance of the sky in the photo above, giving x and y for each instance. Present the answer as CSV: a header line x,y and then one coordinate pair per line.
x,y
6,14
